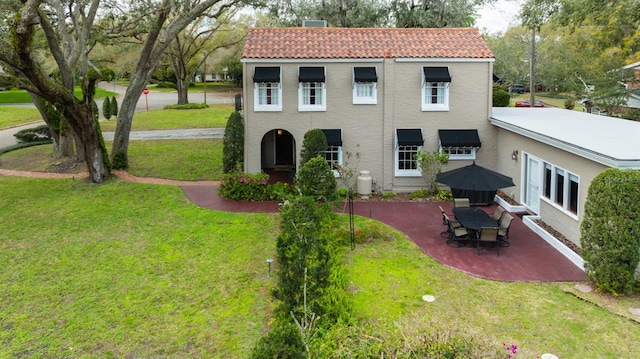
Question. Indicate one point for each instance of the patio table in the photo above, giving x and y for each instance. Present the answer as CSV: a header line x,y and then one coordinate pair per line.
x,y
474,218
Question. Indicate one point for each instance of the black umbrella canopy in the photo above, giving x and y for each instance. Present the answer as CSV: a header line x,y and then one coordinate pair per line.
x,y
475,178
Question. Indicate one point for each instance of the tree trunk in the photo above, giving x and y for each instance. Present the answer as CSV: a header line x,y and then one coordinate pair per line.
x,y
182,82
183,88
62,144
85,127
120,147
70,140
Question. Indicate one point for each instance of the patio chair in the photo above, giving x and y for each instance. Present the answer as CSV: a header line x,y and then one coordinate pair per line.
x,y
489,235
449,223
444,215
497,215
461,202
505,224
458,236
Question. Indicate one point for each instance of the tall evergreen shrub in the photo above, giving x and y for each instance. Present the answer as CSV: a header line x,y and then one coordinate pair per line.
x,y
315,179
114,106
95,111
610,230
304,243
233,144
313,144
106,108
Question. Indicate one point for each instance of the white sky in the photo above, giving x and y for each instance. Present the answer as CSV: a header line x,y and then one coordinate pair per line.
x,y
499,16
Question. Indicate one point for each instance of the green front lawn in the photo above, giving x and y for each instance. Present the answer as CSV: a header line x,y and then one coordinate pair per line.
x,y
21,96
14,116
127,270
188,160
135,270
215,116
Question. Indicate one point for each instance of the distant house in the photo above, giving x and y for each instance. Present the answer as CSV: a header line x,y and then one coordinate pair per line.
x,y
383,94
633,83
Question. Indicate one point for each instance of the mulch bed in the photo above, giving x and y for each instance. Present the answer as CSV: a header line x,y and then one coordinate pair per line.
x,y
559,236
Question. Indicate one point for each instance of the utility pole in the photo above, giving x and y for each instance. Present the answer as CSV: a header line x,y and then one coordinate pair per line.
x,y
532,69
204,76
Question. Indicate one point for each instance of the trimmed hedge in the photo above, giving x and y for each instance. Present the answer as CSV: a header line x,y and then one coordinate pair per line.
x,y
610,230
501,98
189,106
19,146
34,134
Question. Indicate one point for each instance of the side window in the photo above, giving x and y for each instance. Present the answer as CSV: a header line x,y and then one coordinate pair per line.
x,y
333,154
435,88
365,85
408,143
267,89
459,144
312,89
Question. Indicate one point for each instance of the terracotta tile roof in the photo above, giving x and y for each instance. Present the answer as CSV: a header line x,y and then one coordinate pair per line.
x,y
350,43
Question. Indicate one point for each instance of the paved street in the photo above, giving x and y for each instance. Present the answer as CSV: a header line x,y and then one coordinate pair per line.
x,y
153,101
171,134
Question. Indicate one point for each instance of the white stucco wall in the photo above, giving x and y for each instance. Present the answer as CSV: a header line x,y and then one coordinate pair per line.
x,y
566,223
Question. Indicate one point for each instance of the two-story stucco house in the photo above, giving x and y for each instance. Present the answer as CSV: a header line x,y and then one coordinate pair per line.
x,y
383,94
388,93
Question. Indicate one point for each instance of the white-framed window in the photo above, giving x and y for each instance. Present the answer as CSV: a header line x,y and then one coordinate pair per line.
x,y
435,88
312,91
365,86
459,153
267,89
312,96
268,96
408,144
459,144
333,156
561,188
435,96
365,93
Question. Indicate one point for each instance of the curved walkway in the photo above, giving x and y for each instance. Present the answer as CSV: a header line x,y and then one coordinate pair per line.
x,y
529,258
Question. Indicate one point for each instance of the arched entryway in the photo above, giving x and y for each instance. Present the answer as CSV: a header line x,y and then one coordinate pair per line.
x,y
278,153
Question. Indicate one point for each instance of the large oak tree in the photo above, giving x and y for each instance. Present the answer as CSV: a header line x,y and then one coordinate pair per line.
x,y
67,27
166,19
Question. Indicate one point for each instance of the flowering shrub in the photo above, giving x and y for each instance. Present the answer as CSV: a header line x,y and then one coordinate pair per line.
x,y
244,187
512,350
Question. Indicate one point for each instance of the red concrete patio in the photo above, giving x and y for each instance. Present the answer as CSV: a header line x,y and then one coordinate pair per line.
x,y
528,259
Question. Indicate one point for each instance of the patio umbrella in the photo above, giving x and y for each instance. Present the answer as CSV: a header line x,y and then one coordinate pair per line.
x,y
474,178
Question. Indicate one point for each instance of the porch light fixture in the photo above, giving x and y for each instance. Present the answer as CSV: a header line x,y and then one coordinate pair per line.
x,y
279,132
514,155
